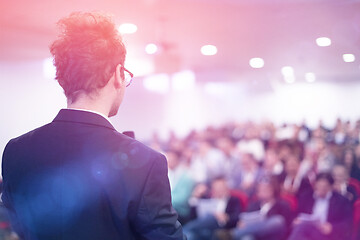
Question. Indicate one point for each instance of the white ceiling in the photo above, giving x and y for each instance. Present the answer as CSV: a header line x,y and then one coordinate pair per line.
x,y
282,32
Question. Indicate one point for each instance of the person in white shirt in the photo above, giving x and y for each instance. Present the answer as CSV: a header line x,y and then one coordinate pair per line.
x,y
323,215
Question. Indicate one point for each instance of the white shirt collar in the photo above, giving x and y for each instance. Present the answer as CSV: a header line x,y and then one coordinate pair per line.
x,y
327,197
86,110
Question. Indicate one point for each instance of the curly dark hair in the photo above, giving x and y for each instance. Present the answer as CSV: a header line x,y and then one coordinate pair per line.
x,y
86,53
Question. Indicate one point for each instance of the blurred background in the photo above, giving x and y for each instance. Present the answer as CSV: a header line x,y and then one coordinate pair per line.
x,y
229,88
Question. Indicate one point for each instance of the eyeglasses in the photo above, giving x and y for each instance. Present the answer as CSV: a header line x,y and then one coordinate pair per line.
x,y
128,76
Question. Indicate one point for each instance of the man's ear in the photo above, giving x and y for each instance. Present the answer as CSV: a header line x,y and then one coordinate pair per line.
x,y
118,81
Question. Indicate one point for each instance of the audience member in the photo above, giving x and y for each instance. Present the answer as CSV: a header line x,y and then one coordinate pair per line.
x,y
268,218
221,210
341,183
325,214
181,185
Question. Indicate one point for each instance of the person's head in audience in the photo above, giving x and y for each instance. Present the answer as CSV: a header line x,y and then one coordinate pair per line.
x,y
204,147
226,145
268,189
271,159
349,159
323,185
248,162
357,152
173,158
219,188
284,151
320,144
340,175
90,65
292,165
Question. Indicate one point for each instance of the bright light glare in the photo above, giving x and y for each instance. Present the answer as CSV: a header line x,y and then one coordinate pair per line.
x,y
208,50
310,77
287,71
289,78
323,42
49,70
151,48
256,62
127,28
349,57
183,80
157,83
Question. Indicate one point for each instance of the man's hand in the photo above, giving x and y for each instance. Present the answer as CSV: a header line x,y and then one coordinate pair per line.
x,y
325,228
222,218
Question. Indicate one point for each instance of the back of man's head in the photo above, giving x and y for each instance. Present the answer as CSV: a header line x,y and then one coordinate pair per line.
x,y
86,53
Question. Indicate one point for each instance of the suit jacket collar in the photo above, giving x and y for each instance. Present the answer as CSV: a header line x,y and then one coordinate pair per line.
x,y
85,117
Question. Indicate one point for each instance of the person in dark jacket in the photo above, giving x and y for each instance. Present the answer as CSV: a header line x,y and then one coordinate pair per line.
x,y
323,215
268,218
341,183
77,177
220,211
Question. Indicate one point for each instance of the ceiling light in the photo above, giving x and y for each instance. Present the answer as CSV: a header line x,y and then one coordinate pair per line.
x,y
256,62
310,77
151,48
208,50
287,71
349,57
323,42
127,28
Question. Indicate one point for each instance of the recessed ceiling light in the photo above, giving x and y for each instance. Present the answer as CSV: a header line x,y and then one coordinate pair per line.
x,y
127,28
349,57
287,71
208,50
256,62
151,48
310,77
323,41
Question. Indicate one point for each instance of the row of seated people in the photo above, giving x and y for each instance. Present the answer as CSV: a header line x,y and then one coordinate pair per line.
x,y
322,212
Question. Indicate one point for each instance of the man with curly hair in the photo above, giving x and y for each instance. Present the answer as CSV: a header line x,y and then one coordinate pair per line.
x,y
77,177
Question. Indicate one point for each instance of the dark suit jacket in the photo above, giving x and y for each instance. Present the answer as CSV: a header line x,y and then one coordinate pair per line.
x,y
78,178
339,215
305,187
280,207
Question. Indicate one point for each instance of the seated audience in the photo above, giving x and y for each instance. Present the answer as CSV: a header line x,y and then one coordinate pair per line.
x,y
221,210
207,163
248,174
323,215
292,180
231,160
272,163
268,218
350,161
